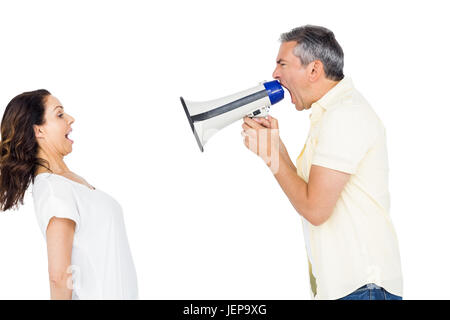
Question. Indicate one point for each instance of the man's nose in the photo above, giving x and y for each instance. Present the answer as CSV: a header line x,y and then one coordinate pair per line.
x,y
275,74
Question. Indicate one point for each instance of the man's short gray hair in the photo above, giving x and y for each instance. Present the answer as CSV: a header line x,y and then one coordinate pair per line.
x,y
318,43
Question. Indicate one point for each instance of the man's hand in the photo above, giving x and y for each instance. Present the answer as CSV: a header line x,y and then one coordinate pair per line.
x,y
261,136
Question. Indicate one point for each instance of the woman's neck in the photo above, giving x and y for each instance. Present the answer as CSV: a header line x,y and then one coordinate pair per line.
x,y
54,162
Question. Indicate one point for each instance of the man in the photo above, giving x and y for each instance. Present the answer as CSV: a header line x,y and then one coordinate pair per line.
x,y
340,182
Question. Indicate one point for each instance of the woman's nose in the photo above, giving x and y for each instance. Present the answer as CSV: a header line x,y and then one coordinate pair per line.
x,y
71,119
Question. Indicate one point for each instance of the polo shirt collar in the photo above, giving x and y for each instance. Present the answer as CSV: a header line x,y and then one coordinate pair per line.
x,y
330,98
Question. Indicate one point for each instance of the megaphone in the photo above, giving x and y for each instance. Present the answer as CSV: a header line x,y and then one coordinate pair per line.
x,y
208,117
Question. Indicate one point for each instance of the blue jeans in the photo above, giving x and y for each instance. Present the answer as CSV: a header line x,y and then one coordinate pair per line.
x,y
371,292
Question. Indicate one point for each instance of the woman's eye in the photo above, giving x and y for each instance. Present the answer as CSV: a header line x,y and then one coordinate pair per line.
x,y
60,115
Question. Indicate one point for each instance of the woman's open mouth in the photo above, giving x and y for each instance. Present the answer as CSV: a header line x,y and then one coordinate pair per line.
x,y
67,136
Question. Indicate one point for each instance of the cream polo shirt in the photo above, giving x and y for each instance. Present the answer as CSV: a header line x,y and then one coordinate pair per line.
x,y
357,245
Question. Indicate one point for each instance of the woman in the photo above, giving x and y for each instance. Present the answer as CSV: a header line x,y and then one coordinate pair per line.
x,y
87,246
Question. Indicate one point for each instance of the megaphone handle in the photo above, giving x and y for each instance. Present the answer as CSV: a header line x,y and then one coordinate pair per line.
x,y
259,113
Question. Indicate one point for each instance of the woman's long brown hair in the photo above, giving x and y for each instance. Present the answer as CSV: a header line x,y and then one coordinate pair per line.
x,y
19,147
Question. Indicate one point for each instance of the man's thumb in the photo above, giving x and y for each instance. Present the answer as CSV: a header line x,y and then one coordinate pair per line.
x,y
273,122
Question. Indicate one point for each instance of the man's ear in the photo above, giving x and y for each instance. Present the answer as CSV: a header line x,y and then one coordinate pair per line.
x,y
315,69
38,131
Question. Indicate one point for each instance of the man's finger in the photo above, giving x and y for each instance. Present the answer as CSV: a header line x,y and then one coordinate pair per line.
x,y
263,121
251,132
252,123
246,143
273,122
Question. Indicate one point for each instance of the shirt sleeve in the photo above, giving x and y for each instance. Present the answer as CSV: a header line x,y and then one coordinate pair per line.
x,y
346,135
56,200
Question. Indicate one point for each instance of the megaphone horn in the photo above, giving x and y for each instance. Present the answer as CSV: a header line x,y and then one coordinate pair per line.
x,y
208,117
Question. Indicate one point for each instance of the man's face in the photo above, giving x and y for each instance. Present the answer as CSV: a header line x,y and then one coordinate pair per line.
x,y
292,75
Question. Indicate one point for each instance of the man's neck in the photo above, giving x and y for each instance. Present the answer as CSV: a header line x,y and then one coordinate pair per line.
x,y
323,87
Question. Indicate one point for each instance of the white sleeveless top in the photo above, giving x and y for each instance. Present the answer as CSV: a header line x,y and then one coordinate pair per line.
x,y
102,266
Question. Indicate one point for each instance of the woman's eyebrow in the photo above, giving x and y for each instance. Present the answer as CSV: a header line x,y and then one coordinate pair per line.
x,y
58,107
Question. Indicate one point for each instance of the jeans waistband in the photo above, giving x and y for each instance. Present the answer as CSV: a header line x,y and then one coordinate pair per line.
x,y
372,286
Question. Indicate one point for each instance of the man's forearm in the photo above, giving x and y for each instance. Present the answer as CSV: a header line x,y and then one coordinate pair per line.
x,y
285,155
295,188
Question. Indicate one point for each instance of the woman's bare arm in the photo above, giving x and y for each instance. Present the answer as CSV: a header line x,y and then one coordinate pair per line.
x,y
60,232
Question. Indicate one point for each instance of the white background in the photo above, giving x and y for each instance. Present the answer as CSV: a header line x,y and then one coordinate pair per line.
x,y
216,225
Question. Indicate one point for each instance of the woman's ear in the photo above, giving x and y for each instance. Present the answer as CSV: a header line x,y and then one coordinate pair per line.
x,y
38,131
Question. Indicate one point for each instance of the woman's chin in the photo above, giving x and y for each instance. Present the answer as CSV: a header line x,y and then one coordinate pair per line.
x,y
68,150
